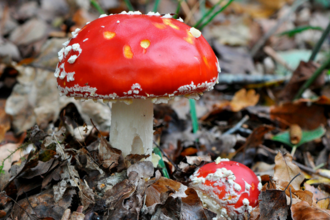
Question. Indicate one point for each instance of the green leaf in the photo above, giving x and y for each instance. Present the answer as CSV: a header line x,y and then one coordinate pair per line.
x,y
300,29
161,163
307,136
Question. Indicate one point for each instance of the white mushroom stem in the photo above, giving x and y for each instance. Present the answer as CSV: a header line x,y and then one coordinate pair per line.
x,y
131,128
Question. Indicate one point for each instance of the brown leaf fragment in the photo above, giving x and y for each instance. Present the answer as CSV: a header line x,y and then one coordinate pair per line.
x,y
272,204
192,207
145,169
304,195
320,198
4,120
109,156
257,136
86,195
77,216
303,72
86,163
170,210
66,214
41,168
41,205
285,170
133,158
307,116
241,100
161,190
2,213
303,210
123,189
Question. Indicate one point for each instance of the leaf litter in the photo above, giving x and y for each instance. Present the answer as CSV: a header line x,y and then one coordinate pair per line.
x,y
57,163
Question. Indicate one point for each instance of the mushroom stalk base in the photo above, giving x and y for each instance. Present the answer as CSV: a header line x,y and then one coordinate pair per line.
x,y
131,128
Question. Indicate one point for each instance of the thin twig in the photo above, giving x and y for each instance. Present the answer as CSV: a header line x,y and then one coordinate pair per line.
x,y
310,170
291,181
237,126
317,200
272,53
263,40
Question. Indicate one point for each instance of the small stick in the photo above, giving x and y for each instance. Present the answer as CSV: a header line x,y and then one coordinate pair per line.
x,y
272,53
237,126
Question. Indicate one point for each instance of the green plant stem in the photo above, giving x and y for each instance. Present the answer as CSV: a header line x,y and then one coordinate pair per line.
x,y
206,15
317,47
97,6
293,150
177,11
193,115
129,5
319,166
317,73
215,14
156,6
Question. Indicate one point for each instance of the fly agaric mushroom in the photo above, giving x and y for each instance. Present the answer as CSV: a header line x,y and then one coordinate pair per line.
x,y
136,60
227,188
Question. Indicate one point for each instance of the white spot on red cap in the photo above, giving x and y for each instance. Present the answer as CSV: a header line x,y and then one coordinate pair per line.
x,y
195,32
72,59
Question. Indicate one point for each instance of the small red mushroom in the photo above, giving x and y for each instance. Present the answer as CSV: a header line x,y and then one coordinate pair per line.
x,y
137,60
227,188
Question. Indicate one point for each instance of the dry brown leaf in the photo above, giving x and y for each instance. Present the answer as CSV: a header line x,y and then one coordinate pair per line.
x,y
307,116
303,210
320,198
257,136
285,170
159,189
273,205
243,99
4,120
274,4
109,156
192,207
303,72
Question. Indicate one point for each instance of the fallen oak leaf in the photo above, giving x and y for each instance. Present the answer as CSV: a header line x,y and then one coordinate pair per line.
x,y
303,210
241,100
285,170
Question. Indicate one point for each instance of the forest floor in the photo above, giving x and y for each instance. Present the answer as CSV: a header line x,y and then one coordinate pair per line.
x,y
261,114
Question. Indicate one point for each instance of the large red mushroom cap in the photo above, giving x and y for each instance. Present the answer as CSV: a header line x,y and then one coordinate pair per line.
x,y
130,55
227,188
